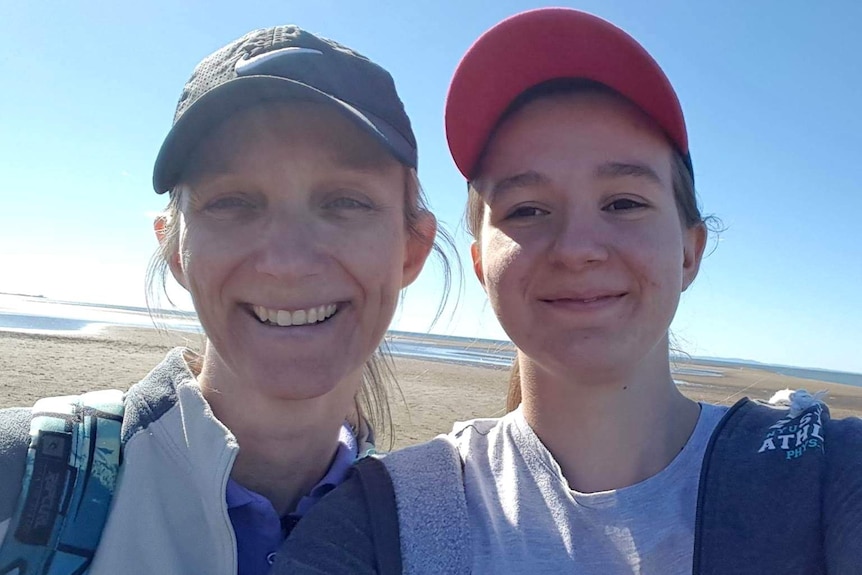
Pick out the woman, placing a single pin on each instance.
(295, 219)
(587, 231)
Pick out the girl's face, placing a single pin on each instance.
(294, 247)
(582, 251)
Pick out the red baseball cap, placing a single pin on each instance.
(548, 44)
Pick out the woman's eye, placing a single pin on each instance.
(229, 203)
(526, 212)
(624, 204)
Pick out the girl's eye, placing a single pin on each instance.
(349, 203)
(624, 204)
(526, 212)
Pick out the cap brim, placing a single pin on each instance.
(548, 44)
(220, 103)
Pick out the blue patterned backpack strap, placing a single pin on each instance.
(69, 480)
(364, 434)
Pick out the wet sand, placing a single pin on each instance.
(434, 394)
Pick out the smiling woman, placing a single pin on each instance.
(285, 226)
(294, 221)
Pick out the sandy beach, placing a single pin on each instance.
(434, 394)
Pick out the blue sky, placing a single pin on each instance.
(770, 90)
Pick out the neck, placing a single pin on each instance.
(286, 446)
(284, 466)
(611, 429)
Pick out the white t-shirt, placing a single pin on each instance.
(525, 519)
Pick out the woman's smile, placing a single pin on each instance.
(297, 317)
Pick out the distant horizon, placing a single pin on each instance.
(699, 359)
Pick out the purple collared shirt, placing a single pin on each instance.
(258, 527)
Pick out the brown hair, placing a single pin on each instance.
(682, 182)
(372, 403)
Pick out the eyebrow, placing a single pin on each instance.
(358, 155)
(350, 160)
(368, 163)
(625, 169)
(605, 171)
(522, 180)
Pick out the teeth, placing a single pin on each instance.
(286, 318)
(283, 318)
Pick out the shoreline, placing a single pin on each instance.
(432, 395)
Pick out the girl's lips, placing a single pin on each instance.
(582, 297)
(584, 303)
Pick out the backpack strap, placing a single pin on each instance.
(761, 488)
(383, 514)
(69, 480)
(432, 508)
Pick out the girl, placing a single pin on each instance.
(582, 205)
(295, 219)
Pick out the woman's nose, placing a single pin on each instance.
(289, 247)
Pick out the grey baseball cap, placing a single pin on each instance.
(283, 63)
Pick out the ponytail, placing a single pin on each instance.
(513, 396)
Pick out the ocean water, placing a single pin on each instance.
(41, 315)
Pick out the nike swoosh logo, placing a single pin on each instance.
(246, 66)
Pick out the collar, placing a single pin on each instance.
(345, 455)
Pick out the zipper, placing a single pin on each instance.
(232, 558)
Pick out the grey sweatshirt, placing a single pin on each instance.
(776, 495)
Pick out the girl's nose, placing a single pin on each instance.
(579, 241)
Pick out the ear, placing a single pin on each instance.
(419, 244)
(694, 245)
(160, 226)
(476, 254)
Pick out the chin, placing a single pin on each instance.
(307, 391)
(580, 361)
(290, 383)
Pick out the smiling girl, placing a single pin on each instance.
(295, 219)
(587, 231)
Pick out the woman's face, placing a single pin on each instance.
(582, 251)
(294, 247)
